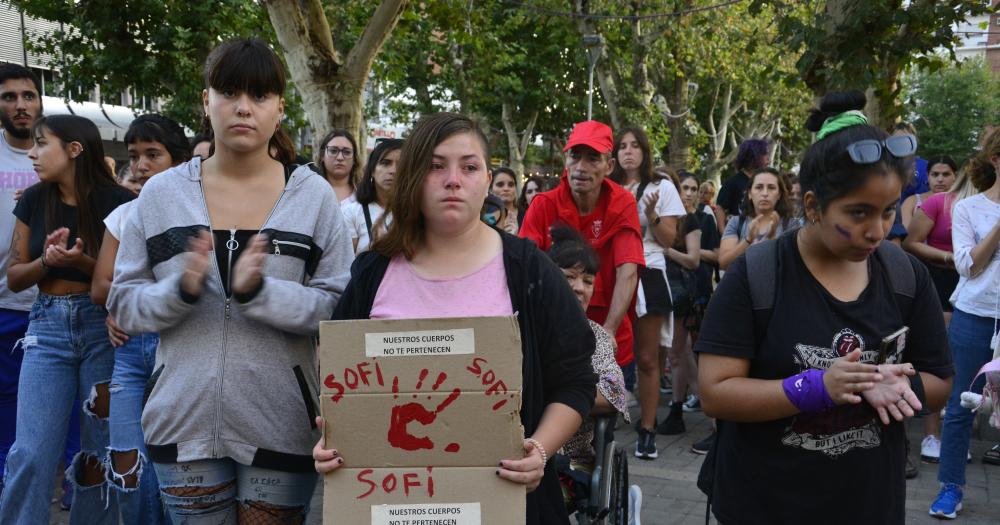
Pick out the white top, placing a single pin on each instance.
(971, 219)
(16, 173)
(115, 220)
(669, 204)
(354, 216)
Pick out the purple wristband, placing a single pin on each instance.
(807, 392)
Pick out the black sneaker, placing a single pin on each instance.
(702, 447)
(674, 423)
(645, 447)
(911, 469)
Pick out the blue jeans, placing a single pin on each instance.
(13, 325)
(969, 336)
(66, 354)
(134, 362)
(283, 497)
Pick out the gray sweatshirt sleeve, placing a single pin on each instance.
(139, 302)
(298, 308)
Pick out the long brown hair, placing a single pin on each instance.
(781, 207)
(406, 233)
(980, 169)
(645, 167)
(90, 174)
(352, 177)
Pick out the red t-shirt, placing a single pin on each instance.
(613, 231)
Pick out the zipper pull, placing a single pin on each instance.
(232, 244)
(277, 249)
(228, 301)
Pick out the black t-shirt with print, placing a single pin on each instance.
(835, 467)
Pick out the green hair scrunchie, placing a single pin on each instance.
(841, 121)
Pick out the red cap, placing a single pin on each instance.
(591, 133)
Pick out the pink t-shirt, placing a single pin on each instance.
(405, 295)
(938, 208)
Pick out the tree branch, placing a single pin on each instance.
(380, 25)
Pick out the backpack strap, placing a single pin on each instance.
(898, 267)
(368, 221)
(762, 273)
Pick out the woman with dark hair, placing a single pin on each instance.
(438, 259)
(67, 353)
(975, 235)
(504, 185)
(792, 360)
(155, 144)
(683, 260)
(366, 216)
(233, 260)
(579, 263)
(337, 160)
(201, 145)
(941, 174)
(766, 215)
(533, 186)
(659, 208)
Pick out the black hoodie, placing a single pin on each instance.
(557, 344)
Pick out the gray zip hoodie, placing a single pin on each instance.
(232, 379)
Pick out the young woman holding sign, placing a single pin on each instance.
(439, 260)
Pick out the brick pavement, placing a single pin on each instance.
(671, 498)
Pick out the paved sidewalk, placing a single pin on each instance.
(671, 498)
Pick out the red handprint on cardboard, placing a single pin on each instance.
(405, 414)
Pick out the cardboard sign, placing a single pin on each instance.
(422, 410)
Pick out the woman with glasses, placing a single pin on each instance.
(809, 400)
(337, 162)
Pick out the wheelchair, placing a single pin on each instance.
(603, 498)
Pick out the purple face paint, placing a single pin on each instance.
(842, 231)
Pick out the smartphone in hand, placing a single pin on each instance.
(892, 343)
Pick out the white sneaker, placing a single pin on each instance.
(634, 505)
(930, 449)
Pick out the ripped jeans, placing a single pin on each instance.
(134, 480)
(66, 354)
(222, 491)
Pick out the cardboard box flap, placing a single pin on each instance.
(420, 355)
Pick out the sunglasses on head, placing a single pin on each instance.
(870, 151)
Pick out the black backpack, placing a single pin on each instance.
(762, 263)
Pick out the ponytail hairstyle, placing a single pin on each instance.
(645, 167)
(91, 174)
(827, 168)
(570, 250)
(251, 66)
(680, 243)
(367, 192)
(980, 168)
(153, 127)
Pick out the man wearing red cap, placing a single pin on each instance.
(606, 215)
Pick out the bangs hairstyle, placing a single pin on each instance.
(569, 250)
(367, 191)
(645, 167)
(406, 233)
(91, 173)
(252, 67)
(153, 127)
(827, 169)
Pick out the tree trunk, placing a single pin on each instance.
(679, 145)
(332, 87)
(517, 148)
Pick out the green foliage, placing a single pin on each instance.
(152, 48)
(951, 106)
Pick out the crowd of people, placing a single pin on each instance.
(140, 313)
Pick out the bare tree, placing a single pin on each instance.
(517, 147)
